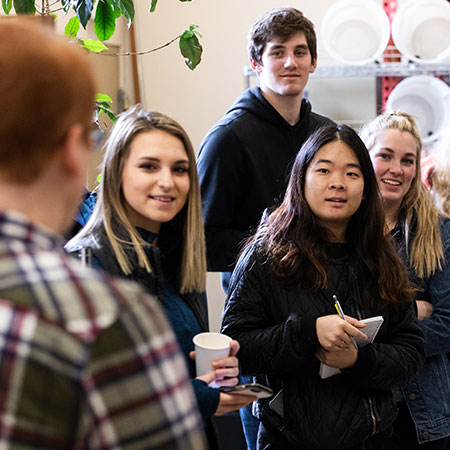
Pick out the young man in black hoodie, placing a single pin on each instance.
(245, 159)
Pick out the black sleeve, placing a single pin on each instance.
(266, 348)
(394, 361)
(221, 169)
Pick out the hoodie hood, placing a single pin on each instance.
(253, 101)
(243, 164)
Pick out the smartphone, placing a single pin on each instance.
(277, 404)
(255, 389)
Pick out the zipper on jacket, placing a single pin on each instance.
(372, 415)
(371, 409)
(86, 256)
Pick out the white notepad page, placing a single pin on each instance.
(373, 324)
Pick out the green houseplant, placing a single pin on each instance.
(104, 14)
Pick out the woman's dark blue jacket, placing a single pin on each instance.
(428, 394)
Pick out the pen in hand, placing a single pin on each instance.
(340, 312)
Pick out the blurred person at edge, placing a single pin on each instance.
(422, 236)
(86, 361)
(147, 226)
(435, 172)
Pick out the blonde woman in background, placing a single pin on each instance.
(422, 236)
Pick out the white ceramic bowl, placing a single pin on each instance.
(355, 31)
(427, 98)
(421, 30)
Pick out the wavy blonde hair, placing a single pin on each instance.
(426, 254)
(110, 210)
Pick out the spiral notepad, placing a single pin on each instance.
(373, 324)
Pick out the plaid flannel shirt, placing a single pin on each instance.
(86, 361)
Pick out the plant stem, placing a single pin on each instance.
(143, 52)
(45, 9)
(55, 10)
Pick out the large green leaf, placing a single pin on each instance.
(153, 6)
(116, 9)
(127, 8)
(24, 6)
(104, 21)
(185, 0)
(94, 46)
(72, 27)
(190, 48)
(83, 9)
(6, 4)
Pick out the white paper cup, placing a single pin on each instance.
(208, 347)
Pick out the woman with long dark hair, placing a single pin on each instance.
(326, 241)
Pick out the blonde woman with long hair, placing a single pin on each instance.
(147, 226)
(422, 236)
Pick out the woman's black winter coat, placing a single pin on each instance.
(275, 326)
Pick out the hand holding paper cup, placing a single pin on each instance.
(209, 347)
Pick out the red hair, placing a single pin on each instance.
(46, 86)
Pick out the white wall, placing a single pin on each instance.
(199, 98)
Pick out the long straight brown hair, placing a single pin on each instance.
(110, 211)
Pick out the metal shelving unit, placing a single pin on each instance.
(383, 69)
(387, 75)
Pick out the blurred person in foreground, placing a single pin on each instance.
(87, 361)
